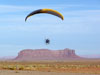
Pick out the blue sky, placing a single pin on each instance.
(80, 29)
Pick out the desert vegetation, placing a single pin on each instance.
(70, 67)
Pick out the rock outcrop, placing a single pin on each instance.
(45, 54)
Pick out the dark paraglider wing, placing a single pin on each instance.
(49, 11)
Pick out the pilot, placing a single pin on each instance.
(47, 41)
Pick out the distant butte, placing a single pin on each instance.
(46, 54)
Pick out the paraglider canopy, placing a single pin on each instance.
(49, 11)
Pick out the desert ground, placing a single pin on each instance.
(79, 67)
(9, 72)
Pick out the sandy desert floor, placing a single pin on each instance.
(9, 72)
(83, 67)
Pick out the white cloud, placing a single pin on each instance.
(15, 8)
(11, 8)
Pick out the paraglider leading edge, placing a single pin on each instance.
(48, 11)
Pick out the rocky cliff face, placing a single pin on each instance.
(45, 54)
